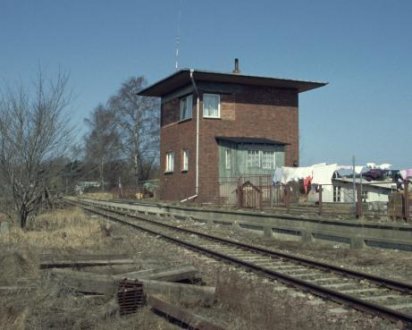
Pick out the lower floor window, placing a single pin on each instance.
(336, 194)
(228, 159)
(261, 159)
(268, 160)
(253, 159)
(185, 160)
(170, 162)
(364, 196)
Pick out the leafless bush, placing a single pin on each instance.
(33, 134)
(106, 229)
(51, 304)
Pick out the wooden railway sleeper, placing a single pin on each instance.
(326, 289)
(386, 297)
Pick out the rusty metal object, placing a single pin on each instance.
(130, 296)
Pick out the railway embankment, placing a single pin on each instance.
(356, 233)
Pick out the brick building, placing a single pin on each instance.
(217, 125)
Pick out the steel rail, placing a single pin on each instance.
(324, 292)
(396, 285)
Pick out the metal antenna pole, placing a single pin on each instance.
(178, 34)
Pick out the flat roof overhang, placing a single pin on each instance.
(249, 140)
(182, 78)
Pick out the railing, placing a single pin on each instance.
(259, 192)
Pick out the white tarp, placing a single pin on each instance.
(407, 173)
(321, 173)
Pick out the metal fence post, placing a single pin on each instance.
(239, 194)
(261, 192)
(358, 202)
(406, 200)
(287, 197)
(271, 193)
(320, 200)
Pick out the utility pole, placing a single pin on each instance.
(354, 182)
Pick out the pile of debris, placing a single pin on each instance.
(170, 291)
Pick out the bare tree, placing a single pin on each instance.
(138, 120)
(102, 144)
(33, 133)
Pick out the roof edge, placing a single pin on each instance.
(251, 140)
(179, 78)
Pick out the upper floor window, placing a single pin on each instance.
(186, 104)
(185, 161)
(211, 105)
(170, 162)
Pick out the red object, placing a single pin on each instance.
(306, 183)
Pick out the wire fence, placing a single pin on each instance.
(259, 192)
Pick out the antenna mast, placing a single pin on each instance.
(178, 34)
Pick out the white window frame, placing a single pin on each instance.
(228, 159)
(257, 158)
(186, 107)
(253, 158)
(185, 160)
(365, 196)
(337, 194)
(206, 112)
(170, 162)
(268, 160)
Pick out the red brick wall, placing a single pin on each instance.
(246, 111)
(176, 136)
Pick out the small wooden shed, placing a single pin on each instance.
(250, 196)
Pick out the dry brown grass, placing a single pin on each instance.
(256, 305)
(12, 317)
(62, 232)
(57, 230)
(244, 303)
(16, 264)
(50, 308)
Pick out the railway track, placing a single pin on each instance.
(365, 292)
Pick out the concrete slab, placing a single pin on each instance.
(337, 285)
(316, 302)
(400, 306)
(383, 297)
(326, 279)
(338, 310)
(350, 291)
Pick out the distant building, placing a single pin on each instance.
(375, 191)
(216, 125)
(82, 186)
